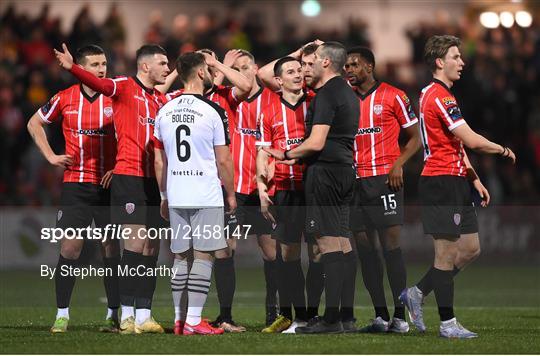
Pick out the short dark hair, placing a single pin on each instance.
(437, 47)
(247, 54)
(336, 53)
(210, 52)
(278, 67)
(90, 50)
(149, 50)
(187, 63)
(310, 48)
(363, 52)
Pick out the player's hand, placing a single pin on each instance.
(484, 194)
(288, 162)
(209, 59)
(164, 209)
(65, 59)
(395, 178)
(106, 180)
(63, 161)
(277, 154)
(231, 56)
(510, 155)
(231, 204)
(265, 206)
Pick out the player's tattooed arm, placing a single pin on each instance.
(395, 175)
(242, 86)
(36, 128)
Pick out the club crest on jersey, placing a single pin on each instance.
(457, 218)
(59, 215)
(108, 111)
(146, 120)
(130, 208)
(377, 109)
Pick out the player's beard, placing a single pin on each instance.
(208, 83)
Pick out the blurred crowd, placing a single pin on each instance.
(499, 92)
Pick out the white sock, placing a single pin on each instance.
(178, 287)
(112, 313)
(142, 315)
(127, 311)
(62, 313)
(198, 287)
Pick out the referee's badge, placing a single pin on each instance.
(130, 208)
(457, 218)
(59, 215)
(377, 109)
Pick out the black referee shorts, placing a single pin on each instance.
(80, 203)
(447, 206)
(329, 189)
(375, 205)
(135, 201)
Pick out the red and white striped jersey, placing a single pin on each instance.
(87, 125)
(244, 128)
(383, 110)
(283, 127)
(135, 109)
(439, 115)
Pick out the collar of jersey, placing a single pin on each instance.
(440, 82)
(88, 97)
(254, 96)
(369, 92)
(146, 89)
(291, 106)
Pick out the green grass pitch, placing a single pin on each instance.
(502, 304)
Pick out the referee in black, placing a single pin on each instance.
(331, 124)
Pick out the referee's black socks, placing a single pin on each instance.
(225, 276)
(334, 268)
(314, 288)
(349, 285)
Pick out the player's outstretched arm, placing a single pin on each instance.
(481, 144)
(36, 128)
(226, 173)
(160, 167)
(242, 86)
(164, 88)
(395, 176)
(105, 86)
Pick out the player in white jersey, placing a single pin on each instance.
(192, 155)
